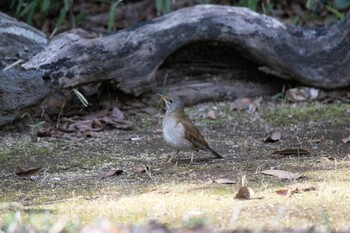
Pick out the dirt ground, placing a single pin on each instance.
(70, 185)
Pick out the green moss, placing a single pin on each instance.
(332, 114)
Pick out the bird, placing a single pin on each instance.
(179, 132)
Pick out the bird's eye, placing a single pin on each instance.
(170, 101)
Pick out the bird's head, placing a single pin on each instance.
(171, 104)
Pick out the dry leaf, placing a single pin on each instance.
(274, 137)
(135, 138)
(346, 140)
(241, 104)
(96, 123)
(283, 175)
(224, 181)
(88, 134)
(245, 104)
(299, 188)
(245, 193)
(111, 172)
(300, 94)
(291, 152)
(27, 174)
(140, 169)
(283, 192)
(329, 158)
(83, 125)
(211, 115)
(117, 115)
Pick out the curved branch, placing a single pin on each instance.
(317, 57)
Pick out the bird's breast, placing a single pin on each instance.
(174, 134)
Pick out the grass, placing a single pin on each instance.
(214, 205)
(183, 195)
(333, 114)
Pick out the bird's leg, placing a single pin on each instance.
(192, 156)
(173, 156)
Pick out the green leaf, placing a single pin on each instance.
(111, 15)
(27, 8)
(163, 6)
(19, 6)
(45, 6)
(81, 97)
(295, 20)
(336, 12)
(31, 12)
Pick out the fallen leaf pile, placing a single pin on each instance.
(87, 123)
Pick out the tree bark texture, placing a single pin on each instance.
(130, 58)
(18, 41)
(241, 51)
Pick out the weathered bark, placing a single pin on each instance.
(20, 92)
(18, 41)
(146, 57)
(207, 71)
(131, 57)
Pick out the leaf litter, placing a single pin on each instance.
(86, 123)
(29, 174)
(282, 175)
(346, 140)
(291, 152)
(223, 181)
(247, 104)
(274, 137)
(110, 172)
(298, 188)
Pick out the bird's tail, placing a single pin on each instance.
(215, 153)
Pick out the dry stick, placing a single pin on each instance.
(148, 171)
(60, 114)
(13, 64)
(53, 33)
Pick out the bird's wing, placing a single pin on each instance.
(193, 135)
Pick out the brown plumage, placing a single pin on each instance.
(179, 132)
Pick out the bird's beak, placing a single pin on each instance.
(164, 98)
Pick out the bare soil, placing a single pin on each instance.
(182, 194)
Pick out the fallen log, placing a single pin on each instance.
(18, 41)
(130, 58)
(205, 52)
